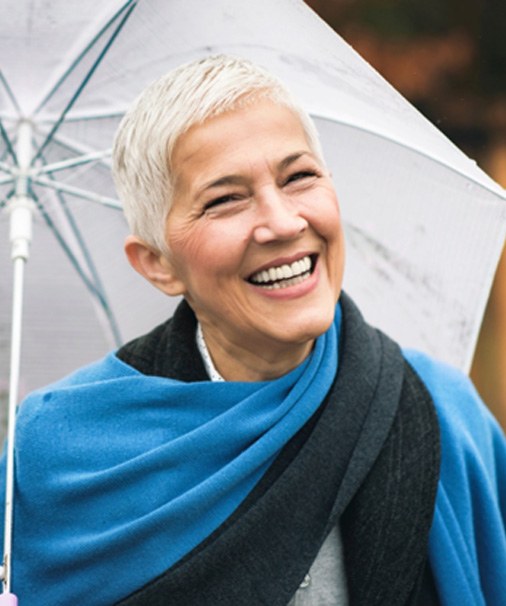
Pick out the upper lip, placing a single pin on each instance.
(283, 261)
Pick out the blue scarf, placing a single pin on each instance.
(129, 473)
(467, 544)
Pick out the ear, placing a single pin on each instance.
(154, 266)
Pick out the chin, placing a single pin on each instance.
(309, 329)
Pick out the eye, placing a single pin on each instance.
(219, 201)
(301, 175)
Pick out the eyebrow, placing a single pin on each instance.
(239, 179)
(285, 163)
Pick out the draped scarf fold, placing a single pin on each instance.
(368, 457)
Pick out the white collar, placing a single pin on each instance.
(214, 375)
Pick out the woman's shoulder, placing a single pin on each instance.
(470, 435)
(439, 376)
(74, 389)
(455, 397)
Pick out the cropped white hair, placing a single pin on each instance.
(165, 110)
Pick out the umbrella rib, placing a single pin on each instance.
(5, 137)
(9, 92)
(98, 115)
(71, 163)
(6, 168)
(91, 267)
(78, 148)
(78, 192)
(85, 81)
(6, 198)
(82, 54)
(95, 289)
(93, 270)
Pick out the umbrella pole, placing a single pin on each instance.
(21, 209)
(17, 305)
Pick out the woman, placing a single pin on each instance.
(265, 445)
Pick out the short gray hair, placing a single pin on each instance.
(165, 110)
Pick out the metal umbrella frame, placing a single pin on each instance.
(21, 208)
(424, 225)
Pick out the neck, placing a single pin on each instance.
(236, 363)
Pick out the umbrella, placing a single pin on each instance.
(424, 225)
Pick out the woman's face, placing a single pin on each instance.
(255, 239)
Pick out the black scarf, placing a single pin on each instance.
(368, 458)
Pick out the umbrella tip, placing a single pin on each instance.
(8, 599)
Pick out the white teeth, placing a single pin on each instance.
(289, 282)
(289, 274)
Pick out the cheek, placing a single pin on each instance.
(332, 216)
(206, 250)
(325, 217)
(186, 249)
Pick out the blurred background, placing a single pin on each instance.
(448, 58)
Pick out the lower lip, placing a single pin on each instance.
(291, 292)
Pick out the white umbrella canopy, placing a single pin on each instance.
(424, 225)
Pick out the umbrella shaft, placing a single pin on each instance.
(21, 207)
(17, 312)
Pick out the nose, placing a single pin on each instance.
(279, 218)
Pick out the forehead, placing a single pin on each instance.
(258, 131)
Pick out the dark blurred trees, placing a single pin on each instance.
(448, 57)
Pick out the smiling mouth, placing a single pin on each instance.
(283, 276)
